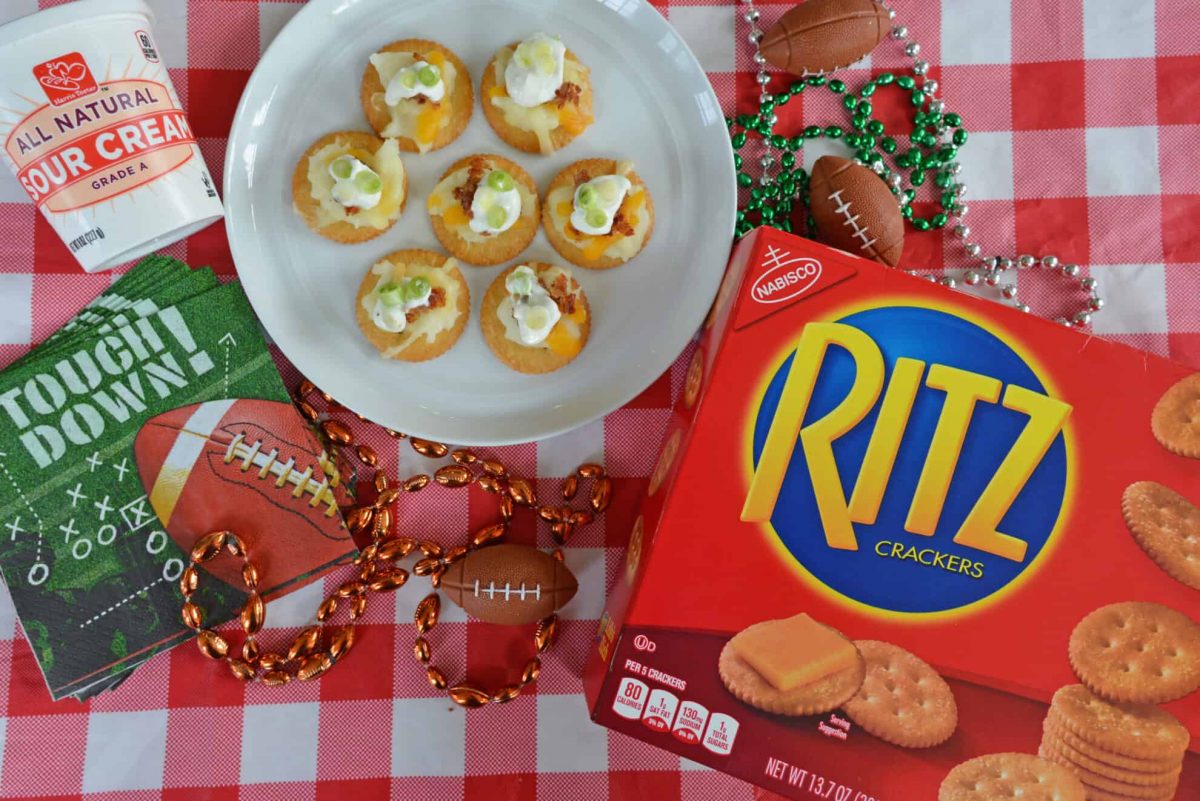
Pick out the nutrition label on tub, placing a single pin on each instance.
(662, 710)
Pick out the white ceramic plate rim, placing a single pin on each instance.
(246, 241)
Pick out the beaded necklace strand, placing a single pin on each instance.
(930, 155)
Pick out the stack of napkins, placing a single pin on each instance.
(92, 572)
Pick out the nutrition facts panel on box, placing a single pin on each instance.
(661, 710)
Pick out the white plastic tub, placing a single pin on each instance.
(94, 131)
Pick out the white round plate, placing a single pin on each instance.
(653, 104)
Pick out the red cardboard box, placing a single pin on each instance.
(902, 463)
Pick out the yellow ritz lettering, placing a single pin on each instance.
(963, 391)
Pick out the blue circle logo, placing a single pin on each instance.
(919, 557)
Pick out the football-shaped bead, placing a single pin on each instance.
(820, 36)
(252, 467)
(855, 211)
(509, 584)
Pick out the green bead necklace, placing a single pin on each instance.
(928, 153)
(772, 203)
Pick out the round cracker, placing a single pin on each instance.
(1083, 765)
(1055, 732)
(558, 238)
(665, 459)
(1175, 420)
(1023, 776)
(499, 247)
(519, 357)
(1096, 794)
(420, 350)
(694, 379)
(1126, 792)
(903, 700)
(1167, 527)
(520, 138)
(462, 98)
(1137, 652)
(633, 552)
(306, 205)
(815, 698)
(1136, 730)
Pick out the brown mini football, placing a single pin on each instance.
(820, 36)
(855, 211)
(509, 584)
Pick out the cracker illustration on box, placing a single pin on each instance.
(666, 460)
(1167, 527)
(796, 666)
(1117, 750)
(902, 700)
(1175, 420)
(1140, 652)
(997, 776)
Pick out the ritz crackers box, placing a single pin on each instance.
(987, 523)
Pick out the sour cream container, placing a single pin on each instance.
(95, 133)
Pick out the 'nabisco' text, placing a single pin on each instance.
(786, 279)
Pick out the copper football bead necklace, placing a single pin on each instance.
(310, 654)
(934, 146)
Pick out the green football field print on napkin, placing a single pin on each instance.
(92, 569)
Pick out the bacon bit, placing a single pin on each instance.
(465, 194)
(352, 209)
(620, 225)
(437, 299)
(562, 293)
(582, 177)
(476, 168)
(567, 93)
(421, 99)
(418, 57)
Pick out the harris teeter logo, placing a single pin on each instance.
(909, 459)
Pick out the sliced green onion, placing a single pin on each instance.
(500, 180)
(408, 79)
(587, 196)
(546, 64)
(428, 75)
(416, 288)
(596, 218)
(392, 294)
(342, 167)
(520, 281)
(496, 217)
(368, 182)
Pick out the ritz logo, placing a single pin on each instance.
(65, 78)
(909, 459)
(786, 276)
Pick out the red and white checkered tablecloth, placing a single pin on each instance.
(1084, 119)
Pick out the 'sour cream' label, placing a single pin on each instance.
(124, 135)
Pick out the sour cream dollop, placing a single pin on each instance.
(395, 299)
(534, 310)
(496, 204)
(420, 78)
(535, 70)
(355, 185)
(596, 203)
